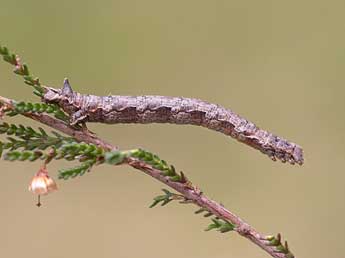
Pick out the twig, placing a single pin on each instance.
(272, 245)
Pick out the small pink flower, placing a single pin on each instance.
(42, 183)
(3, 109)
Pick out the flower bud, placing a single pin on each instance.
(42, 183)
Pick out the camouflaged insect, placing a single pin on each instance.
(174, 110)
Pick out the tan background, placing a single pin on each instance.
(278, 63)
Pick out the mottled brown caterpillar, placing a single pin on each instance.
(175, 110)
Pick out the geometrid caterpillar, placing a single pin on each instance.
(174, 110)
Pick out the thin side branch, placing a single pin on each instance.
(190, 193)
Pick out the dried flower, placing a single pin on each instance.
(42, 183)
(3, 109)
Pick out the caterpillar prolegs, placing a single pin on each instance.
(174, 110)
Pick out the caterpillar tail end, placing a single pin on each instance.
(292, 156)
(298, 155)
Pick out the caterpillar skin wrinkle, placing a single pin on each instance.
(174, 110)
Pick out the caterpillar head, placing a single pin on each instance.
(62, 97)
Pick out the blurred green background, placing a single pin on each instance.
(280, 64)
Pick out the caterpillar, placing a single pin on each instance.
(174, 110)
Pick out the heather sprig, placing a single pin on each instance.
(22, 70)
(29, 139)
(221, 225)
(160, 164)
(28, 144)
(77, 170)
(166, 198)
(275, 241)
(28, 107)
(25, 155)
